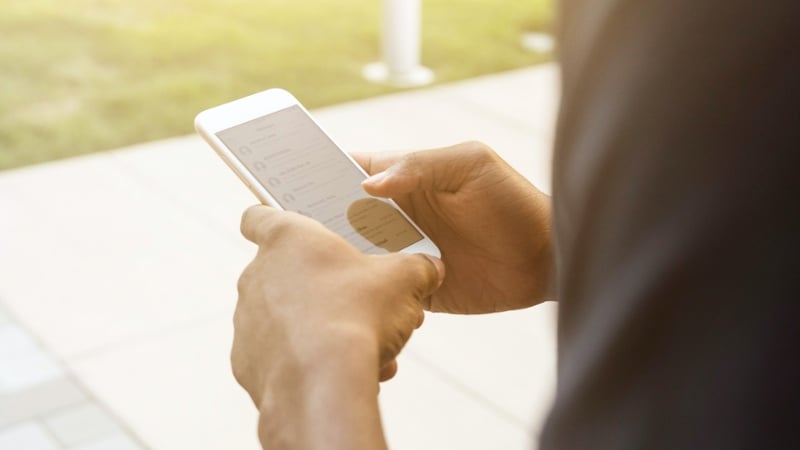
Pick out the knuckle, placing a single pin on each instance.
(414, 315)
(262, 228)
(410, 158)
(412, 162)
(236, 366)
(416, 272)
(395, 344)
(248, 220)
(479, 150)
(245, 279)
(412, 318)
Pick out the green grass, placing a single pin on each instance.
(79, 76)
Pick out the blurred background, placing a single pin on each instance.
(119, 240)
(80, 76)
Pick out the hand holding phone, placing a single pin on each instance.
(279, 151)
(490, 222)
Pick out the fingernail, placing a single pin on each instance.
(377, 178)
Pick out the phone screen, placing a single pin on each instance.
(301, 167)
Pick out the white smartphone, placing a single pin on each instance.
(280, 152)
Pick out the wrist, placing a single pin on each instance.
(331, 347)
(311, 394)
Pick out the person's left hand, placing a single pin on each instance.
(311, 302)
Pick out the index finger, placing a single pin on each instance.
(255, 221)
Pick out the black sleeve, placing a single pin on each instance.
(677, 222)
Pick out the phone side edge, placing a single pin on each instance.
(233, 163)
(425, 245)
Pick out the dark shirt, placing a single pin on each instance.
(677, 219)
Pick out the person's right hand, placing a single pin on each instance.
(491, 225)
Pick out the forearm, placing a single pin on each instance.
(330, 403)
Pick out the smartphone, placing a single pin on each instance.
(282, 154)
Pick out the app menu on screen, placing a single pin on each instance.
(305, 172)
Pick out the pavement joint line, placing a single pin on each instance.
(68, 373)
(147, 183)
(454, 382)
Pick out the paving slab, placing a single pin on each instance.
(505, 360)
(176, 390)
(28, 436)
(422, 410)
(92, 258)
(39, 400)
(81, 424)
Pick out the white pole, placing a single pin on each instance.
(401, 46)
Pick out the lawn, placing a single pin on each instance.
(81, 76)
